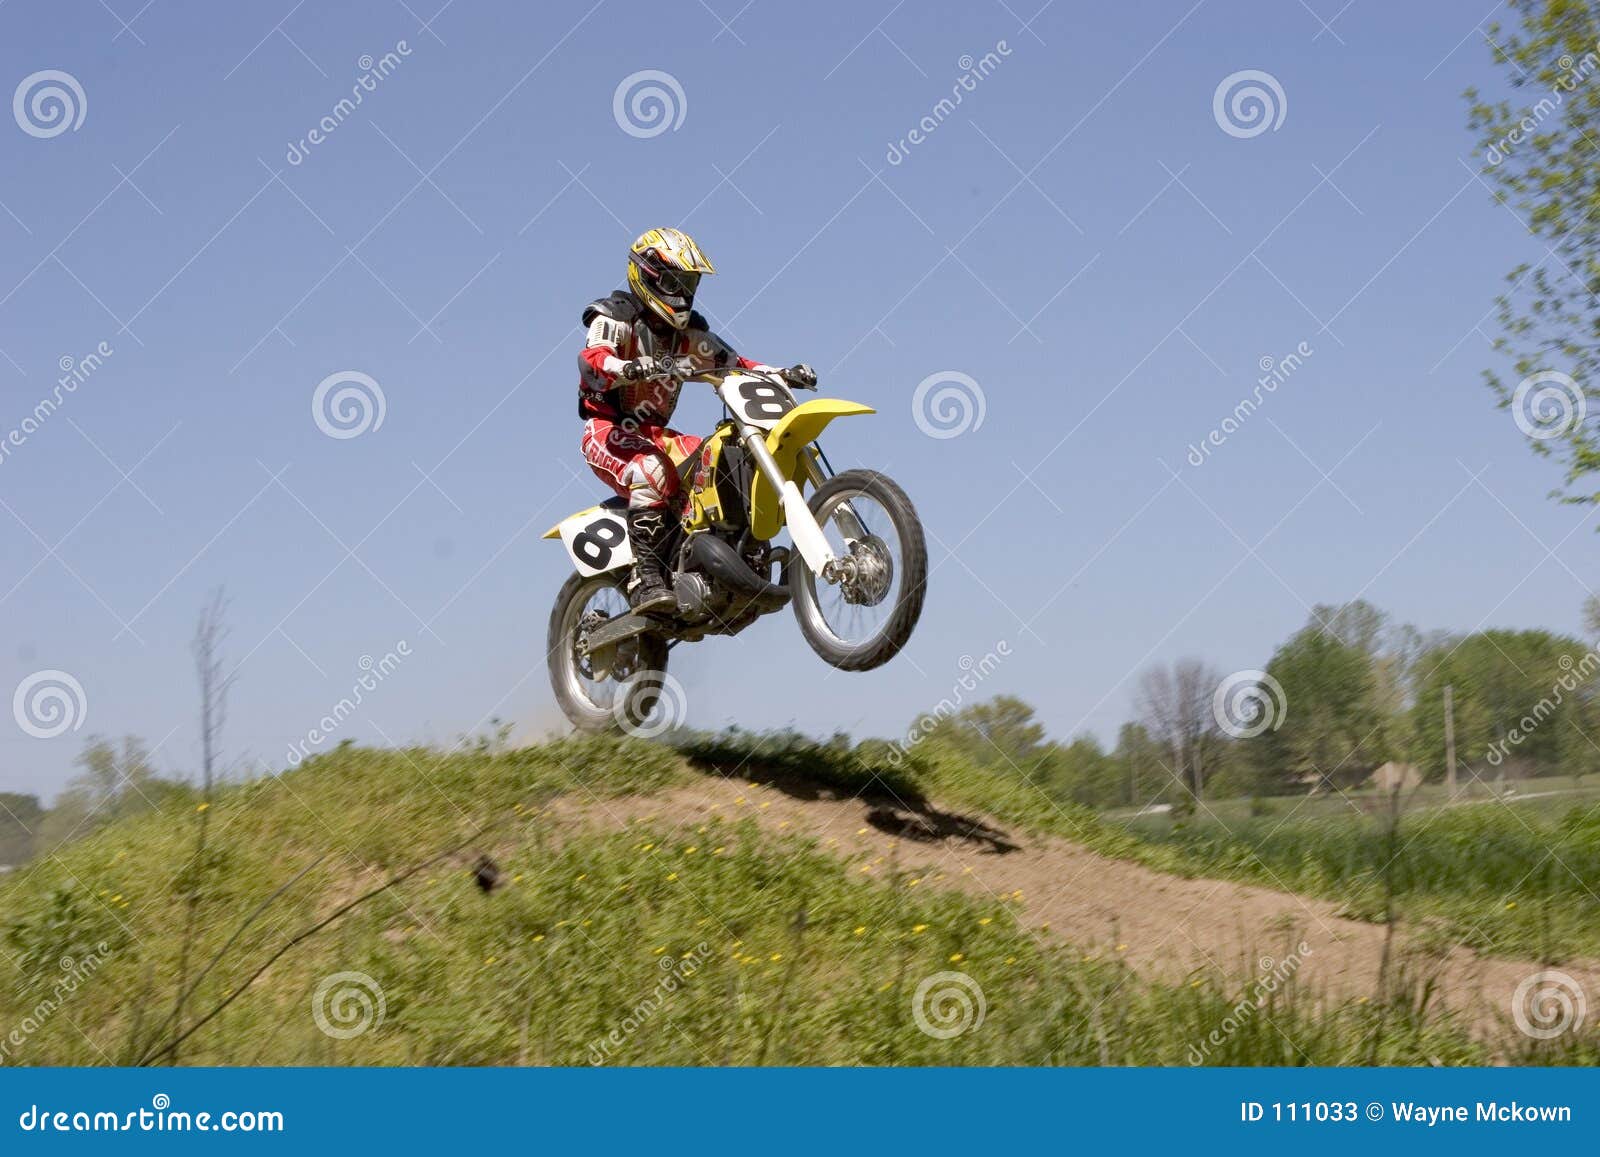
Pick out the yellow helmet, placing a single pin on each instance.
(664, 269)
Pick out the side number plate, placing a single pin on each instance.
(597, 541)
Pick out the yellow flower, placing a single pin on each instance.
(117, 897)
(775, 957)
(986, 920)
(488, 959)
(659, 951)
(1011, 959)
(1194, 984)
(956, 958)
(914, 883)
(671, 876)
(202, 807)
(919, 928)
(1511, 904)
(1122, 947)
(861, 831)
(582, 876)
(538, 938)
(690, 850)
(718, 851)
(517, 879)
(647, 847)
(860, 929)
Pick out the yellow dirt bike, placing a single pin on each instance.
(856, 572)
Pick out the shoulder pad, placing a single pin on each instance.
(620, 306)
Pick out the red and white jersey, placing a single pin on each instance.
(617, 334)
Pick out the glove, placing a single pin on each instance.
(638, 369)
(801, 376)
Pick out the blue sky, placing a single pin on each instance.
(1080, 237)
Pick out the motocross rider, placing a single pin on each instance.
(625, 410)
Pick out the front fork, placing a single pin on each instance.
(808, 537)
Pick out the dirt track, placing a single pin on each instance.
(1166, 927)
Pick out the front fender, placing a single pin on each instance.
(787, 440)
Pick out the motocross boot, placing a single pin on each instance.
(648, 592)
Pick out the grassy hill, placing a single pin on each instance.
(337, 914)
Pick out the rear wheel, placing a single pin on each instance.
(863, 620)
(617, 687)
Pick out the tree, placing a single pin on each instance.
(113, 782)
(19, 820)
(1330, 727)
(1540, 156)
(1522, 701)
(1175, 706)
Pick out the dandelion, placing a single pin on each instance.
(718, 851)
(202, 807)
(918, 928)
(914, 883)
(1511, 904)
(487, 960)
(1194, 984)
(582, 876)
(775, 957)
(517, 879)
(690, 850)
(671, 876)
(860, 930)
(1011, 959)
(861, 831)
(987, 920)
(659, 951)
(538, 938)
(956, 958)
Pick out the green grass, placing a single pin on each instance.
(785, 955)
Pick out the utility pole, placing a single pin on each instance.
(1450, 737)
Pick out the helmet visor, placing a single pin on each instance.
(677, 283)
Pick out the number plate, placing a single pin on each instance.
(597, 540)
(760, 402)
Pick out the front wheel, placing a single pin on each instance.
(615, 688)
(864, 619)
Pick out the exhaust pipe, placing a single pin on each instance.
(719, 560)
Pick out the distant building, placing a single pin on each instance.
(1392, 776)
